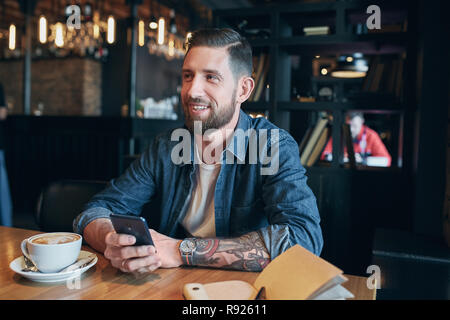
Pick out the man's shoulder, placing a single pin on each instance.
(371, 133)
(262, 123)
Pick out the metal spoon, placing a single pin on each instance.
(80, 264)
(29, 265)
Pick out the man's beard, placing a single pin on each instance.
(218, 117)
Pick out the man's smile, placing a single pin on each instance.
(196, 108)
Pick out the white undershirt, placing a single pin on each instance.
(200, 220)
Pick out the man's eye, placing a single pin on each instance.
(212, 77)
(187, 76)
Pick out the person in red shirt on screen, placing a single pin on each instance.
(366, 142)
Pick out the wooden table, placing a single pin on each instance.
(105, 282)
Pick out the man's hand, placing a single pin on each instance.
(128, 258)
(119, 249)
(168, 250)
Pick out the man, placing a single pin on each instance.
(5, 197)
(211, 212)
(366, 142)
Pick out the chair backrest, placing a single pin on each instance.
(62, 201)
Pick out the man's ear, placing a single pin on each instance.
(246, 86)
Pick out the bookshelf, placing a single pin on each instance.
(348, 222)
(282, 38)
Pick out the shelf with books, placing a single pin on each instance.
(326, 138)
(300, 32)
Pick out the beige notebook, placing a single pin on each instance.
(297, 274)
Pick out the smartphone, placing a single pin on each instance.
(133, 225)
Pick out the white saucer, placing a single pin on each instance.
(18, 264)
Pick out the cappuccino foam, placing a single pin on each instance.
(55, 239)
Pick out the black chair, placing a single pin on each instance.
(62, 201)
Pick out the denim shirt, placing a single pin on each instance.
(279, 205)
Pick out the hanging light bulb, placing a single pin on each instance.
(42, 29)
(153, 23)
(110, 37)
(96, 27)
(171, 50)
(59, 35)
(96, 30)
(161, 31)
(12, 37)
(141, 33)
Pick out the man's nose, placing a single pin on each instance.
(196, 88)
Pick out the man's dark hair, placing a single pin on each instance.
(239, 50)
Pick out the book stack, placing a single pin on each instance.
(314, 31)
(260, 75)
(385, 76)
(313, 142)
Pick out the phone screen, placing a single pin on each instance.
(132, 225)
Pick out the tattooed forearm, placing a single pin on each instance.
(246, 252)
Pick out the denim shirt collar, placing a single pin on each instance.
(244, 125)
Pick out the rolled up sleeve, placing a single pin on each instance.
(290, 205)
(87, 216)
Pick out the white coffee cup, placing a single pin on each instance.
(52, 252)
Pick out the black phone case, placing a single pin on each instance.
(133, 225)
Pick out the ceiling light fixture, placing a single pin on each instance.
(355, 67)
(42, 29)
(12, 37)
(111, 33)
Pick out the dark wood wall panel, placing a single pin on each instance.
(40, 150)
